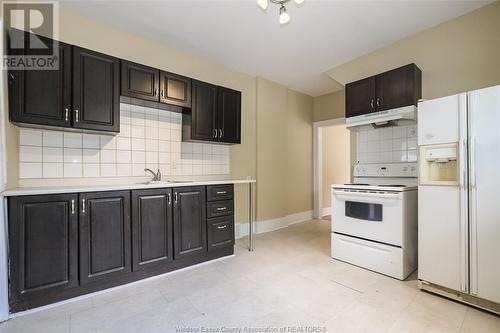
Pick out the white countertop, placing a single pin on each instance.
(117, 187)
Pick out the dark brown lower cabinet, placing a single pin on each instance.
(65, 245)
(190, 224)
(43, 243)
(220, 232)
(152, 233)
(104, 235)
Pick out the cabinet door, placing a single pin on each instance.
(139, 81)
(43, 236)
(229, 115)
(96, 91)
(190, 225)
(175, 89)
(41, 97)
(398, 87)
(204, 111)
(104, 235)
(220, 232)
(360, 97)
(152, 237)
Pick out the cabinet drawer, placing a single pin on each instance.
(220, 232)
(219, 192)
(220, 208)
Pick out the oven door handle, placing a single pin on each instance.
(366, 194)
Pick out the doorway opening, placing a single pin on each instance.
(334, 155)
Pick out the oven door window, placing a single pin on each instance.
(363, 211)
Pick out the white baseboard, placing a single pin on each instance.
(241, 229)
(326, 211)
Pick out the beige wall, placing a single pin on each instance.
(456, 56)
(336, 159)
(284, 151)
(329, 106)
(299, 152)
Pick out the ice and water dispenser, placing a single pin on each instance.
(439, 164)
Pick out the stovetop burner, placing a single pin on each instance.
(358, 184)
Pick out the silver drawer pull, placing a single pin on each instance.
(221, 192)
(222, 227)
(221, 208)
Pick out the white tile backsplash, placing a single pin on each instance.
(148, 138)
(387, 145)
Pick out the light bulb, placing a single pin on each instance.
(263, 4)
(299, 2)
(284, 17)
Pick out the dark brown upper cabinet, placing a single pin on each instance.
(104, 235)
(96, 91)
(175, 89)
(389, 90)
(229, 115)
(190, 223)
(215, 114)
(41, 97)
(399, 87)
(360, 97)
(43, 244)
(200, 123)
(139, 81)
(152, 236)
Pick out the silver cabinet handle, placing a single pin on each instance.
(371, 103)
(220, 133)
(83, 205)
(215, 133)
(66, 114)
(77, 117)
(169, 199)
(175, 197)
(162, 93)
(156, 92)
(221, 208)
(72, 206)
(222, 226)
(378, 101)
(221, 192)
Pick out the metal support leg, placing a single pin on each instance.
(250, 218)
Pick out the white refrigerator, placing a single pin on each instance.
(459, 197)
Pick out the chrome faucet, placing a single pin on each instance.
(156, 176)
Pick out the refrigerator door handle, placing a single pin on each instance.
(464, 241)
(473, 218)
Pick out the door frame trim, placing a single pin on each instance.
(318, 162)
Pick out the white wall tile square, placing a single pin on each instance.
(30, 137)
(385, 145)
(72, 140)
(30, 154)
(91, 156)
(73, 170)
(52, 154)
(53, 170)
(52, 139)
(91, 141)
(148, 137)
(30, 170)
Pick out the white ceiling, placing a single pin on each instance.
(320, 35)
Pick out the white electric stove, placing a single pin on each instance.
(374, 220)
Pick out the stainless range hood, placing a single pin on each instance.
(400, 116)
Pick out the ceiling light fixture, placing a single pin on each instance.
(284, 17)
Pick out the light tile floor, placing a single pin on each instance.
(289, 280)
